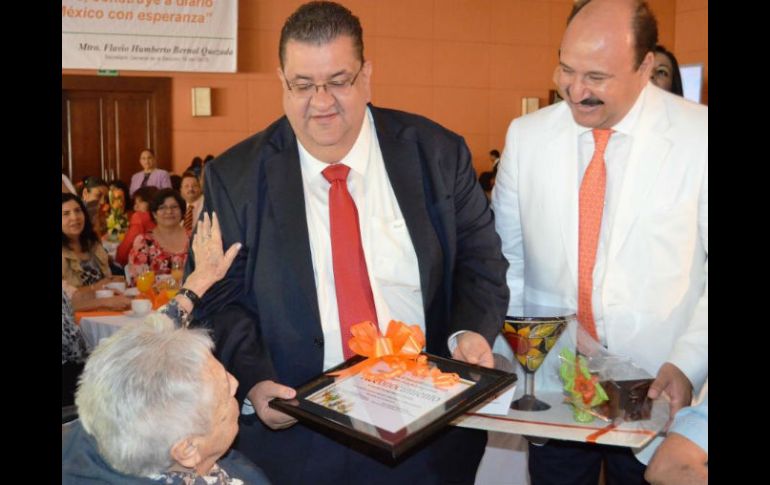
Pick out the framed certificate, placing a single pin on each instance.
(389, 417)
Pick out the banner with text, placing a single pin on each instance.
(150, 35)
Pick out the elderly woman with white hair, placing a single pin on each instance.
(155, 405)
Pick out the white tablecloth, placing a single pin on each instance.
(96, 328)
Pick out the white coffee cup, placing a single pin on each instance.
(118, 286)
(104, 293)
(141, 306)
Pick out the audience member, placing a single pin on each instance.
(165, 247)
(193, 195)
(139, 223)
(95, 190)
(150, 174)
(83, 259)
(666, 74)
(155, 406)
(487, 179)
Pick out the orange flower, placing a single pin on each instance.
(586, 387)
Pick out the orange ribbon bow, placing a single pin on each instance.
(400, 348)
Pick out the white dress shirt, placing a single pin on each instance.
(391, 260)
(615, 158)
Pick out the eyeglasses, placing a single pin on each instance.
(168, 208)
(335, 87)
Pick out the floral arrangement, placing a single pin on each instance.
(583, 389)
(117, 221)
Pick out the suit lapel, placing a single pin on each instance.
(406, 176)
(566, 164)
(287, 201)
(649, 148)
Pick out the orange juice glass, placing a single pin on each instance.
(145, 281)
(177, 274)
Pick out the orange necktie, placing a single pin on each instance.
(591, 207)
(188, 218)
(355, 301)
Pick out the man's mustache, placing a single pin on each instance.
(591, 102)
(586, 102)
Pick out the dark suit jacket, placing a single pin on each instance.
(265, 312)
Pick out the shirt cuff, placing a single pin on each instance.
(452, 341)
(692, 423)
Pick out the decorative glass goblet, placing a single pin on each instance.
(532, 332)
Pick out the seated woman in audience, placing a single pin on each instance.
(165, 247)
(139, 222)
(170, 414)
(84, 262)
(149, 175)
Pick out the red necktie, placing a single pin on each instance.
(591, 207)
(355, 302)
(188, 218)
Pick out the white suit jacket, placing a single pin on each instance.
(655, 293)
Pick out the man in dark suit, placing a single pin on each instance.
(428, 251)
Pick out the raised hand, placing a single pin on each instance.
(211, 262)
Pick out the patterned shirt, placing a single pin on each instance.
(91, 271)
(73, 347)
(147, 251)
(215, 476)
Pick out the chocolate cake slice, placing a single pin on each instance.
(627, 399)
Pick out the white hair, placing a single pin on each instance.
(142, 390)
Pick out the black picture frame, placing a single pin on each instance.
(383, 444)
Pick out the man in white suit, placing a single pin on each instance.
(647, 291)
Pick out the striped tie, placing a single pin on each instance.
(188, 219)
